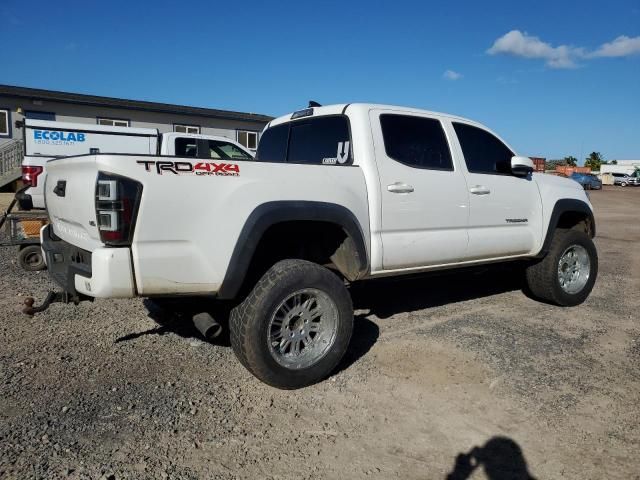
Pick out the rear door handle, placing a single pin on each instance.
(480, 190)
(399, 187)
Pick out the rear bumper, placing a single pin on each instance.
(103, 273)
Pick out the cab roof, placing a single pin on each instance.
(343, 108)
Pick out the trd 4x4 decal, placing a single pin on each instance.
(200, 168)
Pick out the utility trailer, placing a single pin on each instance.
(22, 228)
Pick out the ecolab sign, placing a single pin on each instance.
(54, 137)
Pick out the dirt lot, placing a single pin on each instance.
(438, 366)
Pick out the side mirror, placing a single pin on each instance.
(521, 166)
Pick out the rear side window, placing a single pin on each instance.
(322, 140)
(415, 141)
(273, 144)
(226, 151)
(186, 147)
(483, 152)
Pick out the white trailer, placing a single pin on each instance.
(627, 169)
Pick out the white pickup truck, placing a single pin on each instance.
(46, 139)
(336, 194)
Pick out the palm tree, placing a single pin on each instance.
(594, 160)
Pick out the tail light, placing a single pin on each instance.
(30, 175)
(117, 201)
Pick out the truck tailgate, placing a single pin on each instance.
(70, 200)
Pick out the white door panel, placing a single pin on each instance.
(504, 210)
(424, 211)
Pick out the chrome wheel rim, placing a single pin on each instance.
(302, 328)
(574, 268)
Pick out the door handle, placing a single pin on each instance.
(480, 190)
(60, 188)
(399, 187)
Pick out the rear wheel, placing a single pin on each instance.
(623, 184)
(295, 325)
(31, 259)
(566, 275)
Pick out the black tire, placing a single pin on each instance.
(543, 277)
(249, 324)
(31, 259)
(623, 184)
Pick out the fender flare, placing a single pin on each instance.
(272, 213)
(563, 206)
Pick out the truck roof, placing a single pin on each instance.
(340, 108)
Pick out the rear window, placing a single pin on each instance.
(323, 140)
(273, 144)
(317, 141)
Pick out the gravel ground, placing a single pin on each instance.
(438, 366)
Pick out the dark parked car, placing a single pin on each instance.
(623, 179)
(587, 180)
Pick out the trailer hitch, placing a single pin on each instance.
(52, 297)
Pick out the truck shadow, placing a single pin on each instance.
(174, 316)
(382, 298)
(387, 297)
(501, 458)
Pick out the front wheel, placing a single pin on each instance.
(295, 325)
(566, 275)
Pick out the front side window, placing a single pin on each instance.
(416, 141)
(483, 152)
(186, 147)
(219, 150)
(113, 122)
(273, 144)
(4, 123)
(248, 139)
(322, 140)
(186, 129)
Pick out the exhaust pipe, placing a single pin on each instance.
(207, 325)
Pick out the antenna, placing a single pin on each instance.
(313, 104)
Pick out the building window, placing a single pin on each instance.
(35, 115)
(5, 123)
(186, 129)
(248, 139)
(113, 122)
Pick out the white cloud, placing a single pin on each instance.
(521, 44)
(622, 46)
(451, 75)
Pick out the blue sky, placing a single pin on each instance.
(552, 78)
